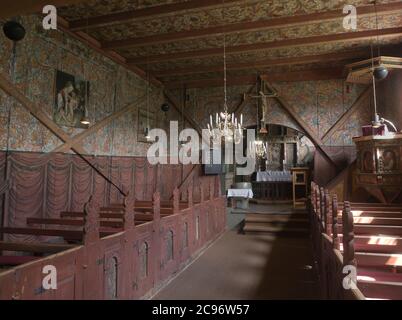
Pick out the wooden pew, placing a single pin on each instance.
(371, 220)
(37, 249)
(111, 220)
(377, 244)
(120, 209)
(164, 204)
(365, 229)
(16, 260)
(69, 235)
(373, 242)
(374, 204)
(369, 207)
(34, 247)
(374, 213)
(72, 222)
(376, 271)
(140, 217)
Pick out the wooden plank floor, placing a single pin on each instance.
(248, 266)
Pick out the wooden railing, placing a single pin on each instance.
(363, 237)
(330, 261)
(127, 260)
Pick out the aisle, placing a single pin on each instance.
(252, 266)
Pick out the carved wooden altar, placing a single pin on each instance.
(379, 166)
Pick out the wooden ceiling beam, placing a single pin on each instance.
(215, 82)
(170, 97)
(360, 102)
(319, 58)
(96, 46)
(322, 39)
(246, 26)
(76, 140)
(154, 12)
(306, 75)
(12, 8)
(318, 143)
(239, 108)
(37, 111)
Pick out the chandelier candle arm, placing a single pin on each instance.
(226, 125)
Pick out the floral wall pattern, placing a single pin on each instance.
(32, 65)
(33, 62)
(319, 104)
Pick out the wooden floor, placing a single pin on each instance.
(249, 266)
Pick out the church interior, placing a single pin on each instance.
(108, 109)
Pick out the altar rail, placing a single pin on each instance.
(365, 236)
(131, 262)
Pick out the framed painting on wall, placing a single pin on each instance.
(70, 103)
(146, 119)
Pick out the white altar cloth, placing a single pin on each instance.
(240, 193)
(274, 176)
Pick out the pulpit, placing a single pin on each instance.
(379, 169)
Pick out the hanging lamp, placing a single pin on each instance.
(226, 126)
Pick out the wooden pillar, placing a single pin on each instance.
(211, 189)
(156, 204)
(129, 215)
(317, 200)
(176, 200)
(219, 186)
(91, 221)
(202, 195)
(328, 213)
(93, 271)
(322, 204)
(348, 236)
(129, 258)
(312, 197)
(335, 238)
(190, 195)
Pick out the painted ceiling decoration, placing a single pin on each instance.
(179, 41)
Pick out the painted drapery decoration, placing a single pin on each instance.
(44, 185)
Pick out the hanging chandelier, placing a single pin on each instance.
(226, 125)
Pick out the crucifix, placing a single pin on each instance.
(264, 98)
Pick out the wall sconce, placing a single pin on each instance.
(85, 121)
(146, 134)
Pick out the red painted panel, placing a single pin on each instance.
(7, 285)
(65, 264)
(28, 281)
(90, 272)
(144, 282)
